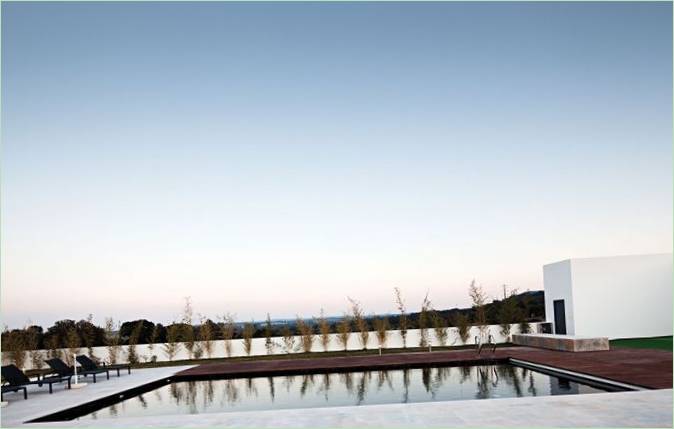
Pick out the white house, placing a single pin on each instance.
(615, 297)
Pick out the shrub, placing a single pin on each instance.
(32, 337)
(402, 322)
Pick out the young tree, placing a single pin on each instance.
(228, 329)
(188, 328)
(207, 333)
(306, 335)
(507, 313)
(154, 338)
(288, 339)
(479, 298)
(132, 356)
(172, 346)
(73, 342)
(33, 334)
(462, 326)
(89, 334)
(324, 329)
(248, 331)
(439, 327)
(423, 321)
(268, 343)
(15, 343)
(359, 320)
(344, 331)
(402, 323)
(112, 340)
(381, 326)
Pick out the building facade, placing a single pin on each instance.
(615, 297)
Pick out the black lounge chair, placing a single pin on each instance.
(8, 388)
(62, 369)
(90, 365)
(15, 378)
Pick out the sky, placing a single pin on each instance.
(280, 157)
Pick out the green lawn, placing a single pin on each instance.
(661, 343)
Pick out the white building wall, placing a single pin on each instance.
(557, 280)
(615, 297)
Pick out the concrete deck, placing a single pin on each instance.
(41, 403)
(625, 409)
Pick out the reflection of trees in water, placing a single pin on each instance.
(363, 385)
(272, 392)
(113, 409)
(441, 374)
(532, 386)
(325, 386)
(231, 392)
(512, 377)
(176, 392)
(426, 378)
(192, 396)
(465, 373)
(157, 393)
(209, 392)
(143, 402)
(384, 377)
(347, 380)
(251, 388)
(307, 380)
(406, 385)
(288, 381)
(483, 382)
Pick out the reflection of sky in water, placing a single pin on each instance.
(343, 389)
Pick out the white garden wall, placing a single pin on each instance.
(145, 352)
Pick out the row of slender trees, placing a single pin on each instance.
(73, 337)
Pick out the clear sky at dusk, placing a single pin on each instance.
(278, 157)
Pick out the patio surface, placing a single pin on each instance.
(646, 368)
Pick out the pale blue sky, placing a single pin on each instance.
(279, 157)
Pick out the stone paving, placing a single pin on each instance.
(626, 409)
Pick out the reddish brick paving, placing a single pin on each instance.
(647, 368)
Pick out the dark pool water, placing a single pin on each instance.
(343, 389)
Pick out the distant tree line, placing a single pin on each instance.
(83, 335)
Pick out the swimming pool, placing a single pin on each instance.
(342, 389)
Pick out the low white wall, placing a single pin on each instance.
(394, 340)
